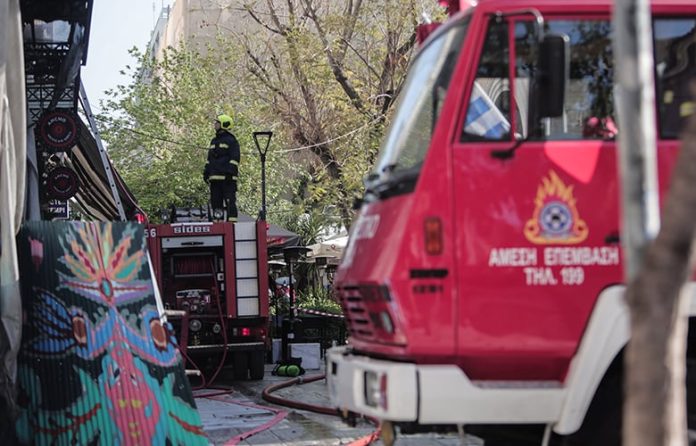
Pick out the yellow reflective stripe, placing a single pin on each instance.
(668, 98)
(216, 177)
(232, 219)
(686, 109)
(211, 147)
(224, 146)
(235, 162)
(234, 178)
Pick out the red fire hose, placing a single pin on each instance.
(266, 394)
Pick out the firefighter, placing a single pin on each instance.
(222, 169)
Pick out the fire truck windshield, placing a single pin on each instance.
(407, 140)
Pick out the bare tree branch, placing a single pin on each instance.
(362, 69)
(336, 68)
(277, 30)
(352, 12)
(347, 44)
(391, 61)
(291, 12)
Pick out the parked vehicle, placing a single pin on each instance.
(483, 280)
(213, 277)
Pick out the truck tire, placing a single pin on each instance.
(240, 366)
(257, 362)
(604, 417)
(691, 396)
(602, 424)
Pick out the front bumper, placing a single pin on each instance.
(345, 374)
(438, 394)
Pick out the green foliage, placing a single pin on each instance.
(159, 127)
(319, 299)
(333, 70)
(309, 226)
(322, 75)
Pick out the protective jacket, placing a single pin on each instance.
(223, 157)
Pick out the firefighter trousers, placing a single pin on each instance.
(224, 192)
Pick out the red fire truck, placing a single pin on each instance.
(213, 279)
(483, 281)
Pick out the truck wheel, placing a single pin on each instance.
(256, 365)
(602, 423)
(691, 395)
(240, 366)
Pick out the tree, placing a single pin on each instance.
(655, 398)
(332, 71)
(158, 128)
(654, 404)
(323, 76)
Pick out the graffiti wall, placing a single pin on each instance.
(97, 364)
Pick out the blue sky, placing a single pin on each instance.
(116, 27)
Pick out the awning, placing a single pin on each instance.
(277, 238)
(329, 248)
(94, 194)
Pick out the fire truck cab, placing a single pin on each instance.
(483, 281)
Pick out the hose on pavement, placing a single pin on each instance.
(267, 395)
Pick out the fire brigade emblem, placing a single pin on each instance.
(555, 219)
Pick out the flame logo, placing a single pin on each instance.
(555, 219)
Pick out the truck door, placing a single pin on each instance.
(536, 209)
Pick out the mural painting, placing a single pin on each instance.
(98, 365)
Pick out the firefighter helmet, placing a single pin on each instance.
(225, 121)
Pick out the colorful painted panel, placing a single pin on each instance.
(97, 365)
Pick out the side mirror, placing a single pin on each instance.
(547, 93)
(553, 66)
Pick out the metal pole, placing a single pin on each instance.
(635, 101)
(289, 318)
(263, 187)
(292, 294)
(262, 153)
(102, 153)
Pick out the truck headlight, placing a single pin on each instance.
(386, 321)
(376, 389)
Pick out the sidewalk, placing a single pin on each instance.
(244, 418)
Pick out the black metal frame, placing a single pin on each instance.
(43, 60)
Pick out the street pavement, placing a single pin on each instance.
(242, 417)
